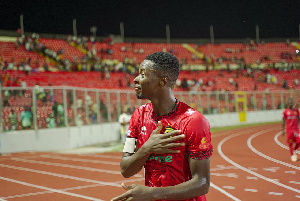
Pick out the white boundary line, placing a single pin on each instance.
(247, 170)
(231, 167)
(265, 156)
(50, 189)
(79, 160)
(46, 192)
(60, 175)
(280, 144)
(224, 192)
(65, 189)
(69, 166)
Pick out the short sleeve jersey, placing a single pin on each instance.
(292, 117)
(171, 169)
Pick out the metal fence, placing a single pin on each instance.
(51, 107)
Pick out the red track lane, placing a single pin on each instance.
(242, 166)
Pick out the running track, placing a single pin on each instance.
(247, 164)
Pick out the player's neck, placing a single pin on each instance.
(163, 105)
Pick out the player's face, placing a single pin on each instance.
(290, 103)
(146, 82)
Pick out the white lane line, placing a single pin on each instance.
(51, 189)
(294, 182)
(69, 189)
(47, 192)
(297, 196)
(290, 172)
(70, 166)
(253, 178)
(250, 190)
(228, 187)
(271, 169)
(280, 144)
(101, 156)
(224, 192)
(60, 175)
(72, 188)
(221, 167)
(247, 170)
(80, 160)
(265, 156)
(231, 175)
(275, 193)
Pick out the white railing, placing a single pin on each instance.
(49, 107)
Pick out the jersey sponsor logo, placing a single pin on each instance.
(160, 159)
(292, 117)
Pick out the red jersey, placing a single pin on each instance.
(291, 117)
(171, 169)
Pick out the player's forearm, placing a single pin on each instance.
(189, 189)
(131, 165)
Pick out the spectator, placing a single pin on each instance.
(79, 103)
(26, 117)
(51, 93)
(124, 120)
(78, 120)
(13, 120)
(296, 82)
(51, 121)
(285, 85)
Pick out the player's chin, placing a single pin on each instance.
(139, 95)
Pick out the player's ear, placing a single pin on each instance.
(163, 81)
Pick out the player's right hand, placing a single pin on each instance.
(160, 144)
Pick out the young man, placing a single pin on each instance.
(171, 140)
(124, 120)
(290, 126)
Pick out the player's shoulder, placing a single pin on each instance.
(190, 113)
(143, 108)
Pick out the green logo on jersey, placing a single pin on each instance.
(162, 159)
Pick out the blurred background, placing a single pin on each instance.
(67, 68)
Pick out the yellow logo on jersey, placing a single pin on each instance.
(295, 112)
(204, 143)
(169, 129)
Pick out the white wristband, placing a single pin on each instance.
(129, 145)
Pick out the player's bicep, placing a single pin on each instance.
(200, 169)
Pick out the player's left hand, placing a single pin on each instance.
(135, 192)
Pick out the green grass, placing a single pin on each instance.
(218, 129)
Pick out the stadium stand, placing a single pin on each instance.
(105, 65)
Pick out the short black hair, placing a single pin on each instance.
(166, 64)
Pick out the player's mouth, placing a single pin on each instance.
(137, 88)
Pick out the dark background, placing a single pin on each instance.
(187, 19)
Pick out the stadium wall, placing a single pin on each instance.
(75, 137)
